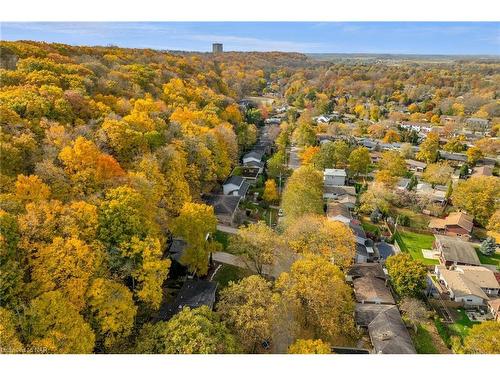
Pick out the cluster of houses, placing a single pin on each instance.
(460, 275)
(235, 188)
(376, 311)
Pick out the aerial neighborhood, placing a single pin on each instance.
(227, 202)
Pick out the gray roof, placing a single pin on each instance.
(193, 294)
(242, 191)
(456, 250)
(358, 230)
(389, 334)
(340, 190)
(453, 156)
(236, 180)
(369, 289)
(364, 313)
(223, 204)
(367, 269)
(254, 154)
(176, 249)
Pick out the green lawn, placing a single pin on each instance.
(491, 259)
(369, 227)
(229, 273)
(222, 237)
(414, 243)
(461, 325)
(423, 341)
(417, 220)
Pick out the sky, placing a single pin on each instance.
(441, 38)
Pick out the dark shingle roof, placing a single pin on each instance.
(223, 204)
(236, 180)
(389, 334)
(193, 294)
(367, 269)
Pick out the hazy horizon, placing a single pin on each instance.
(368, 38)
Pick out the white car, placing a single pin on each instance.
(280, 212)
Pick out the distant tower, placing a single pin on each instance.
(216, 47)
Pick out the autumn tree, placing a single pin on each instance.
(248, 307)
(408, 276)
(257, 244)
(391, 136)
(414, 310)
(428, 150)
(194, 224)
(455, 144)
(31, 189)
(474, 154)
(270, 191)
(393, 163)
(53, 325)
(11, 343)
(303, 193)
(302, 346)
(483, 338)
(66, 265)
(438, 173)
(359, 161)
(321, 301)
(314, 234)
(196, 331)
(112, 310)
(477, 196)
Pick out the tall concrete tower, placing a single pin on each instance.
(217, 48)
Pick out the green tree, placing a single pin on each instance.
(195, 223)
(359, 161)
(488, 246)
(198, 331)
(303, 193)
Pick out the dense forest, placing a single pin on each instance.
(106, 153)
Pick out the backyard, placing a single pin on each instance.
(413, 243)
(489, 259)
(227, 273)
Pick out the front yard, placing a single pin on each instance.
(413, 243)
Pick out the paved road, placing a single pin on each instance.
(385, 250)
(227, 229)
(234, 260)
(293, 160)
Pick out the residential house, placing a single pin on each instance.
(454, 251)
(453, 157)
(436, 194)
(334, 177)
(250, 174)
(494, 307)
(338, 212)
(470, 285)
(340, 193)
(193, 294)
(225, 207)
(369, 289)
(403, 184)
(365, 248)
(415, 166)
(455, 224)
(386, 329)
(236, 185)
(255, 156)
(485, 170)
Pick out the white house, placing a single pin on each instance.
(471, 285)
(235, 185)
(334, 177)
(252, 156)
(338, 212)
